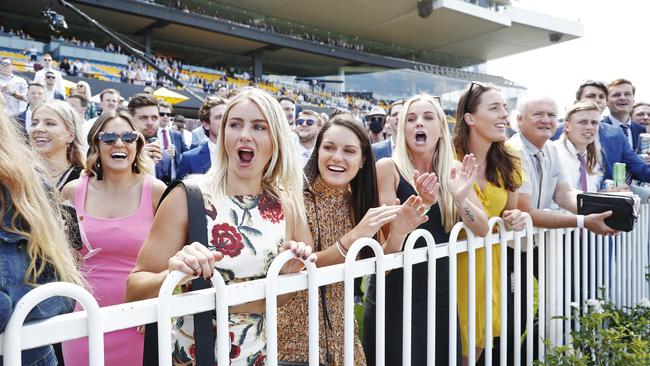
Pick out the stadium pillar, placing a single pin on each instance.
(257, 65)
(147, 41)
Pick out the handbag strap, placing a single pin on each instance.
(197, 232)
(323, 289)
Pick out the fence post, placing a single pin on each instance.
(350, 259)
(493, 221)
(272, 308)
(13, 336)
(407, 296)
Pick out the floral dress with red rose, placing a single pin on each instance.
(248, 231)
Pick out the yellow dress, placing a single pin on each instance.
(494, 200)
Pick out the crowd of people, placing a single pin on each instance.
(277, 176)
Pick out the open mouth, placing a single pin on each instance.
(420, 137)
(245, 155)
(501, 126)
(119, 155)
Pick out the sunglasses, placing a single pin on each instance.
(47, 59)
(376, 119)
(163, 114)
(110, 138)
(302, 121)
(50, 77)
(469, 94)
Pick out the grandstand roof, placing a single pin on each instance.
(469, 33)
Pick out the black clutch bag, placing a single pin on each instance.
(625, 208)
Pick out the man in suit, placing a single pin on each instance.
(385, 148)
(620, 101)
(50, 92)
(641, 114)
(172, 141)
(35, 97)
(144, 108)
(199, 159)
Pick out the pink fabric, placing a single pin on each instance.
(120, 240)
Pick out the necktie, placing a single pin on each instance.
(539, 155)
(626, 130)
(583, 172)
(165, 140)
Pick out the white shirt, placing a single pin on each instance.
(39, 77)
(618, 124)
(571, 166)
(14, 84)
(187, 137)
(85, 129)
(303, 154)
(213, 152)
(28, 119)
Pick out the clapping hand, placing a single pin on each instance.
(427, 186)
(461, 180)
(411, 215)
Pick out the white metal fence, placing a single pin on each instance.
(573, 266)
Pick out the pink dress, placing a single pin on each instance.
(119, 241)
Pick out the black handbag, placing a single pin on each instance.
(624, 207)
(203, 337)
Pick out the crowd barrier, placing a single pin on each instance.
(574, 265)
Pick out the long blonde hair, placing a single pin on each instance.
(36, 212)
(283, 174)
(72, 123)
(443, 158)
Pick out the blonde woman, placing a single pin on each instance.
(579, 148)
(254, 209)
(83, 88)
(33, 248)
(423, 164)
(115, 201)
(54, 134)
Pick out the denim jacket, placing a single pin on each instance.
(13, 267)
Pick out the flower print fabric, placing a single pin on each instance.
(247, 230)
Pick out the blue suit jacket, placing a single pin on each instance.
(58, 96)
(636, 129)
(382, 149)
(616, 149)
(179, 144)
(164, 168)
(195, 161)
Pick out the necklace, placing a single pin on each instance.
(55, 175)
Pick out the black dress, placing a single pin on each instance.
(394, 287)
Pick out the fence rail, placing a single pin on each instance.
(573, 265)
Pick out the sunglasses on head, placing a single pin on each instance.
(110, 138)
(302, 121)
(469, 93)
(163, 114)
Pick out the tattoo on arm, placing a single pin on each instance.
(468, 213)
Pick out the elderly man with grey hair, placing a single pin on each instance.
(544, 185)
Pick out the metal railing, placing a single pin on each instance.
(617, 264)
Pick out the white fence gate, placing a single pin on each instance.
(573, 266)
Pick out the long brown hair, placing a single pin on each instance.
(502, 167)
(142, 163)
